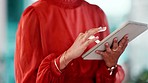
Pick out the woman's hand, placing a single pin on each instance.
(81, 43)
(111, 55)
(78, 47)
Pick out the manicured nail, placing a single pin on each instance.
(115, 39)
(97, 37)
(91, 37)
(97, 51)
(101, 29)
(106, 44)
(126, 35)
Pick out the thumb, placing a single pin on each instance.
(99, 52)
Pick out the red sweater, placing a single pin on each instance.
(48, 28)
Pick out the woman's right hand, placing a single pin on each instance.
(78, 47)
(81, 43)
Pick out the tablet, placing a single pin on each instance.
(133, 29)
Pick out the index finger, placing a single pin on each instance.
(91, 32)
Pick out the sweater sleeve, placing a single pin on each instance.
(31, 65)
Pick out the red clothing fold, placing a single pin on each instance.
(45, 31)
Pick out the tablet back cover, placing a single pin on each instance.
(133, 29)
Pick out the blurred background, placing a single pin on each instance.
(134, 60)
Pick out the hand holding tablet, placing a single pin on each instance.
(133, 29)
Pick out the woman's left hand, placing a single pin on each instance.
(111, 55)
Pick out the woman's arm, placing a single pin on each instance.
(31, 65)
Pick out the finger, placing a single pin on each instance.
(101, 29)
(123, 41)
(80, 36)
(90, 33)
(115, 43)
(107, 47)
(125, 45)
(88, 42)
(99, 53)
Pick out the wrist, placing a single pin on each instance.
(64, 60)
(111, 64)
(111, 69)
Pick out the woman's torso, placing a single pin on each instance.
(59, 28)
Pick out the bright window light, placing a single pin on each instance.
(33, 0)
(113, 7)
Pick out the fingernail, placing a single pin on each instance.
(115, 39)
(97, 51)
(91, 37)
(101, 29)
(97, 41)
(126, 35)
(97, 37)
(106, 43)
